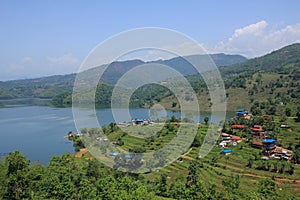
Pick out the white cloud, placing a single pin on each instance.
(64, 60)
(165, 52)
(253, 29)
(259, 39)
(27, 60)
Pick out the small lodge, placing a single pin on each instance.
(225, 136)
(280, 152)
(141, 122)
(241, 113)
(226, 151)
(258, 133)
(270, 150)
(238, 126)
(223, 144)
(128, 156)
(236, 138)
(113, 154)
(257, 145)
(257, 128)
(226, 139)
(229, 139)
(269, 145)
(100, 139)
(284, 126)
(74, 134)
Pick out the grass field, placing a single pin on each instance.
(216, 167)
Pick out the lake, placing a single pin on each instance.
(38, 131)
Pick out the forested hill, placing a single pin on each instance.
(44, 87)
(268, 84)
(47, 87)
(280, 61)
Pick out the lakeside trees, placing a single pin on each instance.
(66, 177)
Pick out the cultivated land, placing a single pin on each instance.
(216, 167)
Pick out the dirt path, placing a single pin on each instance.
(80, 153)
(239, 171)
(188, 157)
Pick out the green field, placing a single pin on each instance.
(217, 167)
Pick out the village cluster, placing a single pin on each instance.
(137, 122)
(261, 139)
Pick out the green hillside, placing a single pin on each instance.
(272, 86)
(271, 82)
(280, 61)
(47, 87)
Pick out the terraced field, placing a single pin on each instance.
(216, 167)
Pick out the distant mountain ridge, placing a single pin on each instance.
(47, 87)
(271, 82)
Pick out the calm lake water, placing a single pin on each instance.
(38, 131)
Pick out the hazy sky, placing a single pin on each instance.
(41, 38)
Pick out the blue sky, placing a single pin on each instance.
(40, 38)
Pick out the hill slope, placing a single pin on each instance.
(48, 87)
(271, 82)
(280, 61)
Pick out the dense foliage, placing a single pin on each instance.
(66, 177)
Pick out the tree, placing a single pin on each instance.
(268, 188)
(16, 162)
(296, 154)
(250, 162)
(161, 185)
(17, 182)
(178, 189)
(174, 104)
(86, 189)
(275, 167)
(272, 110)
(288, 111)
(113, 127)
(258, 120)
(193, 172)
(291, 169)
(174, 119)
(231, 185)
(120, 142)
(206, 119)
(256, 111)
(196, 142)
(298, 115)
(93, 168)
(281, 169)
